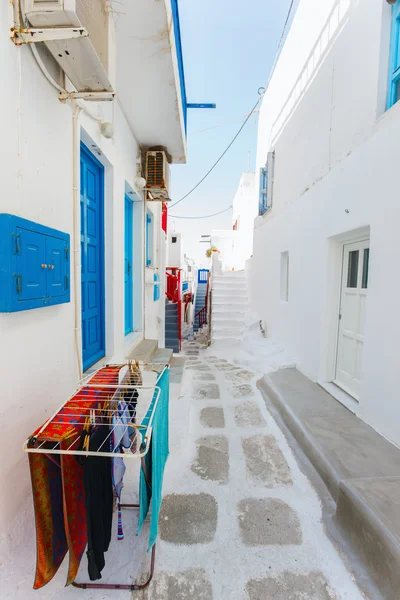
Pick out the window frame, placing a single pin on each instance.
(266, 185)
(149, 238)
(284, 277)
(394, 56)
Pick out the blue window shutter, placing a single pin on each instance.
(148, 239)
(394, 59)
(263, 200)
(156, 279)
(34, 265)
(33, 276)
(57, 263)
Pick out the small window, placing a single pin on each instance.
(285, 276)
(365, 268)
(266, 184)
(263, 199)
(352, 272)
(394, 60)
(174, 239)
(149, 239)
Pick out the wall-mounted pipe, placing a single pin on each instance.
(76, 236)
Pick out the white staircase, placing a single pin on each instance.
(229, 306)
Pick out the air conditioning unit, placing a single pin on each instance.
(157, 175)
(84, 60)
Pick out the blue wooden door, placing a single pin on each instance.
(128, 260)
(92, 258)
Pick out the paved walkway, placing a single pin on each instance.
(239, 519)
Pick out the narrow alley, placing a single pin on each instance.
(240, 519)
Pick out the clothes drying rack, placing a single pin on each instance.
(100, 393)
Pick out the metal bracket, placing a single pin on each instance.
(48, 34)
(89, 96)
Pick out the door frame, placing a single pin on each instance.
(129, 241)
(86, 365)
(330, 314)
(344, 271)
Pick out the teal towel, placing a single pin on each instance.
(155, 459)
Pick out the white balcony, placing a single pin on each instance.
(150, 78)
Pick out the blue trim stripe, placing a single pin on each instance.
(394, 59)
(179, 54)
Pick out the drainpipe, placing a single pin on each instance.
(144, 265)
(75, 204)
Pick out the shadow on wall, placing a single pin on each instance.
(331, 30)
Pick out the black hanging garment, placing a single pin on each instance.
(98, 500)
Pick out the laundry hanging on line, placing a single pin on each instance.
(66, 518)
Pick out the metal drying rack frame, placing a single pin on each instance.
(109, 395)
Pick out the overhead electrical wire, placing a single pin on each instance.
(261, 94)
(222, 155)
(203, 217)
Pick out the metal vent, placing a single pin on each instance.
(155, 170)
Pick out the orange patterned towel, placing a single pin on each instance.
(58, 490)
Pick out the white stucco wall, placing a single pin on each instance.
(175, 250)
(335, 177)
(37, 349)
(244, 211)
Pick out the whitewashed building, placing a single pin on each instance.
(82, 252)
(235, 245)
(326, 241)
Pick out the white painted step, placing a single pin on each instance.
(222, 320)
(228, 333)
(225, 341)
(239, 302)
(228, 315)
(231, 311)
(224, 297)
(237, 285)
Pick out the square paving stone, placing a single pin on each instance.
(248, 414)
(224, 366)
(212, 416)
(265, 463)
(204, 376)
(242, 391)
(206, 391)
(212, 459)
(188, 518)
(239, 375)
(267, 522)
(187, 585)
(290, 586)
(198, 366)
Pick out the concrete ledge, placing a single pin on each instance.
(368, 513)
(359, 467)
(338, 443)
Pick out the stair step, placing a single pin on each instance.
(229, 302)
(367, 510)
(144, 351)
(162, 356)
(228, 314)
(227, 332)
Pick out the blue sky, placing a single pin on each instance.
(228, 50)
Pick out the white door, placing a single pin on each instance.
(352, 316)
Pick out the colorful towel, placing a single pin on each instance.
(155, 459)
(51, 540)
(58, 491)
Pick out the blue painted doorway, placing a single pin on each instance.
(128, 264)
(92, 258)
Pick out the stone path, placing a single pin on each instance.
(239, 519)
